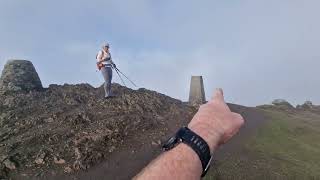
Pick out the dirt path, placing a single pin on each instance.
(131, 158)
(253, 120)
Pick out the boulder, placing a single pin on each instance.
(282, 103)
(19, 75)
(306, 105)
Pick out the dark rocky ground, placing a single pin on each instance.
(71, 132)
(70, 128)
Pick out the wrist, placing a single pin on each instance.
(187, 154)
(211, 136)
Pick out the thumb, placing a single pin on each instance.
(218, 95)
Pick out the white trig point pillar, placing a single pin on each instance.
(197, 95)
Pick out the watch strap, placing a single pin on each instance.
(199, 145)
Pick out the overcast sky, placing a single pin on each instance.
(256, 50)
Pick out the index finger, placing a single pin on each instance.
(218, 99)
(218, 95)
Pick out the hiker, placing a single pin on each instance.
(189, 153)
(105, 65)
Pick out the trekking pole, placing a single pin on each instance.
(120, 78)
(125, 76)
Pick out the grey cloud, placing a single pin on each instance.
(257, 50)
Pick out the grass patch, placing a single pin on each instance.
(288, 147)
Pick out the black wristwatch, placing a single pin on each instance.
(199, 145)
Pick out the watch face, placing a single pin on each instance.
(170, 143)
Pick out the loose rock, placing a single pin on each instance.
(9, 164)
(59, 161)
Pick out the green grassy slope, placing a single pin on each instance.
(287, 147)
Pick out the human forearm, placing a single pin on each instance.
(215, 124)
(181, 160)
(179, 163)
